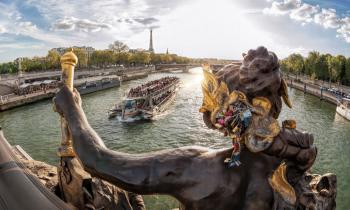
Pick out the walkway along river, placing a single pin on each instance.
(36, 128)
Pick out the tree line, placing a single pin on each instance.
(118, 54)
(319, 66)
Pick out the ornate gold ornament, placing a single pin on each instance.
(216, 95)
(263, 127)
(279, 183)
(291, 124)
(217, 98)
(68, 62)
(284, 93)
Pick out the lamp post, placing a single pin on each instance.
(68, 62)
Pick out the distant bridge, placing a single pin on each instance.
(184, 67)
(175, 67)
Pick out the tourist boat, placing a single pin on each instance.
(147, 100)
(343, 108)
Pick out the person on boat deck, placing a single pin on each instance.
(151, 86)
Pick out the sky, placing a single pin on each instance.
(194, 28)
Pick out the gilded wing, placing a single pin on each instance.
(209, 86)
(280, 184)
(284, 93)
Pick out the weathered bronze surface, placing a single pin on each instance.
(198, 176)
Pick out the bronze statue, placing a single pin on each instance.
(272, 159)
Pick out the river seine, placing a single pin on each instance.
(36, 128)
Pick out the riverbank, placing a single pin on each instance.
(82, 83)
(313, 90)
(84, 86)
(129, 77)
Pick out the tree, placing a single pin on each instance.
(155, 58)
(140, 58)
(53, 60)
(82, 57)
(284, 65)
(124, 58)
(310, 62)
(317, 65)
(295, 63)
(9, 67)
(99, 58)
(34, 64)
(321, 67)
(118, 47)
(338, 67)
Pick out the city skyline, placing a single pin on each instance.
(195, 29)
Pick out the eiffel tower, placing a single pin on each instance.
(150, 49)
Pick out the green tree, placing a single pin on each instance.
(347, 71)
(321, 68)
(337, 68)
(53, 60)
(34, 64)
(9, 67)
(310, 62)
(140, 58)
(124, 58)
(102, 58)
(284, 66)
(295, 63)
(82, 57)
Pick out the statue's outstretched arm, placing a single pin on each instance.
(157, 172)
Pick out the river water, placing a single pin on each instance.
(36, 128)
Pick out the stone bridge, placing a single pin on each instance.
(184, 67)
(175, 67)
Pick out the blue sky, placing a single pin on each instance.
(196, 28)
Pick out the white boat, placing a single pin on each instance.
(343, 108)
(146, 101)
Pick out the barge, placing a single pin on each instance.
(147, 100)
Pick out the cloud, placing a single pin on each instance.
(21, 46)
(27, 26)
(86, 25)
(328, 18)
(282, 8)
(344, 30)
(146, 21)
(306, 13)
(67, 23)
(2, 29)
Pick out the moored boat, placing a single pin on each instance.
(147, 100)
(343, 108)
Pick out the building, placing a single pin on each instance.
(137, 50)
(59, 50)
(87, 50)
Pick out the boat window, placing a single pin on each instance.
(129, 104)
